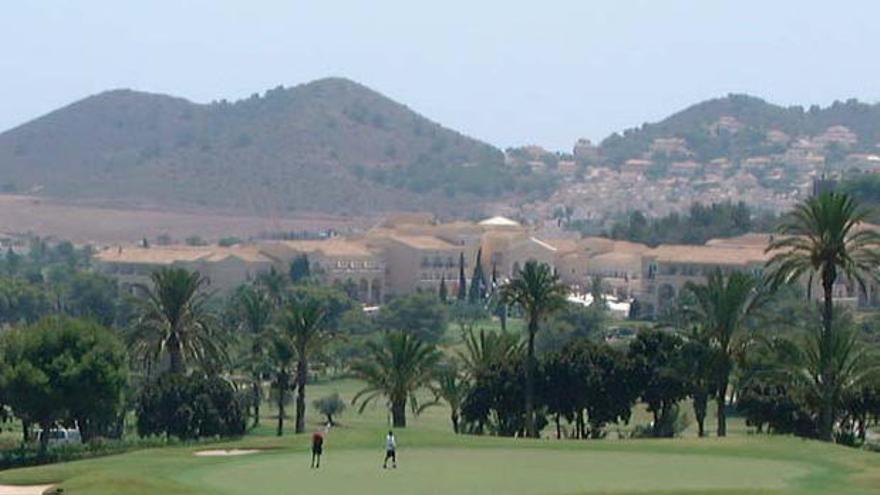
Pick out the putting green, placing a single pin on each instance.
(481, 471)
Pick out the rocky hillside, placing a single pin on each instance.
(330, 146)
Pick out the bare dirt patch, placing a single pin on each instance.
(82, 223)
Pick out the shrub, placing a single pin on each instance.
(190, 407)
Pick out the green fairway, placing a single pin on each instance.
(494, 470)
(434, 461)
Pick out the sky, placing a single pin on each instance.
(508, 72)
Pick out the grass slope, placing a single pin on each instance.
(433, 461)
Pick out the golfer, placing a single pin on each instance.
(317, 448)
(390, 451)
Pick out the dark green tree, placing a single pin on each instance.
(300, 269)
(537, 290)
(64, 370)
(654, 356)
(420, 314)
(477, 291)
(462, 280)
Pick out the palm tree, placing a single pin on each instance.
(451, 387)
(803, 365)
(823, 239)
(303, 324)
(722, 307)
(537, 290)
(396, 368)
(255, 311)
(283, 354)
(275, 284)
(174, 320)
(483, 349)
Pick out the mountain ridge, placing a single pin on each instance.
(313, 147)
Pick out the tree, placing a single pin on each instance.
(450, 386)
(477, 291)
(484, 349)
(335, 301)
(282, 354)
(302, 323)
(804, 367)
(590, 377)
(653, 357)
(420, 314)
(824, 240)
(174, 320)
(396, 368)
(695, 363)
(275, 285)
(537, 290)
(330, 406)
(299, 269)
(496, 399)
(722, 307)
(91, 295)
(443, 293)
(22, 301)
(189, 407)
(255, 311)
(64, 370)
(462, 280)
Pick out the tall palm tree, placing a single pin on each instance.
(722, 307)
(823, 239)
(537, 290)
(174, 320)
(303, 324)
(255, 311)
(396, 368)
(283, 355)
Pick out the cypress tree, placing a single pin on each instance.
(462, 281)
(443, 291)
(478, 281)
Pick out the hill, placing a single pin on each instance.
(327, 146)
(737, 127)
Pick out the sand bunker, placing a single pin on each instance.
(24, 490)
(216, 453)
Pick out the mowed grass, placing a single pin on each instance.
(434, 461)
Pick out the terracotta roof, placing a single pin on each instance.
(424, 242)
(162, 255)
(331, 247)
(167, 255)
(709, 255)
(753, 240)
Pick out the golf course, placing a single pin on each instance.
(432, 460)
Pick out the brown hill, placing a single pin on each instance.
(331, 146)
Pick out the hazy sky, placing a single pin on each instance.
(508, 72)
